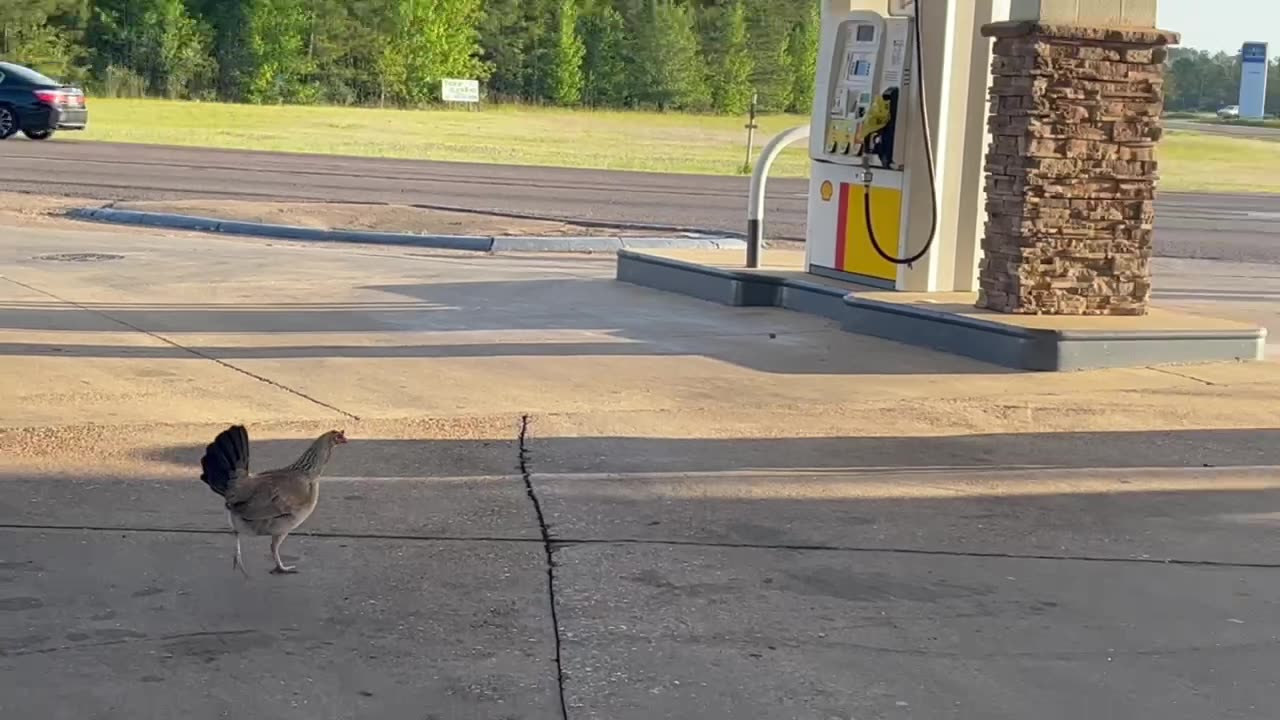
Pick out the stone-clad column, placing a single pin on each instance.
(1071, 168)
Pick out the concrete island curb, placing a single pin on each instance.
(474, 243)
(989, 340)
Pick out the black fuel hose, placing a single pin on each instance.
(928, 153)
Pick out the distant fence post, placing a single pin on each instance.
(751, 131)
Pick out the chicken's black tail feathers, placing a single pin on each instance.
(226, 459)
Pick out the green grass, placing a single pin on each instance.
(1264, 122)
(663, 142)
(1195, 162)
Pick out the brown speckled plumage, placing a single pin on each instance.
(274, 502)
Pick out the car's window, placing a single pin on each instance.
(25, 75)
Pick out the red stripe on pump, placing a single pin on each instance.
(842, 226)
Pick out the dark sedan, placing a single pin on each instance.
(36, 105)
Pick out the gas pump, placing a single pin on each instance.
(861, 142)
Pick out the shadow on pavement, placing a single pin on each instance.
(1222, 448)
(765, 578)
(612, 319)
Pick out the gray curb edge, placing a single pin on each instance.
(475, 243)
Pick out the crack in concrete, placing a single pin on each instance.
(549, 548)
(1184, 376)
(564, 542)
(183, 348)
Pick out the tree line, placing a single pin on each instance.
(1197, 81)
(696, 55)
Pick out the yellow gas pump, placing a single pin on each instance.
(859, 181)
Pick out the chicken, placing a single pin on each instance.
(272, 503)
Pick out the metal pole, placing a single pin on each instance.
(755, 202)
(751, 131)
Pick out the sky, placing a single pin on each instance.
(1204, 27)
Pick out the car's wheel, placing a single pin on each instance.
(38, 134)
(8, 122)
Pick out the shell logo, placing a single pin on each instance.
(826, 190)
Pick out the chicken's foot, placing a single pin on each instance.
(280, 568)
(237, 560)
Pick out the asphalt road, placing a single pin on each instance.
(1225, 227)
(1248, 131)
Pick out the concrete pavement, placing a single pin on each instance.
(1247, 292)
(561, 486)
(149, 624)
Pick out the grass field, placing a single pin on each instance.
(614, 140)
(668, 142)
(1195, 162)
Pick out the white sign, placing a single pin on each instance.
(464, 91)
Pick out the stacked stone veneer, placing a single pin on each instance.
(1071, 169)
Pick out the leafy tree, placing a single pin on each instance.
(280, 52)
(605, 78)
(229, 27)
(730, 55)
(42, 34)
(175, 51)
(428, 40)
(156, 39)
(770, 32)
(566, 70)
(504, 45)
(670, 72)
(1197, 81)
(599, 52)
(803, 50)
(346, 43)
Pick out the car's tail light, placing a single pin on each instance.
(61, 98)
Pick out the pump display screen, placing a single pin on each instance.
(866, 33)
(857, 68)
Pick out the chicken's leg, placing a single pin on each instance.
(237, 561)
(280, 568)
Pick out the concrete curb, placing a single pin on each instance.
(474, 243)
(1007, 345)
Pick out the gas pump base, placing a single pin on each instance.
(948, 322)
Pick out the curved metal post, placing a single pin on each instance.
(755, 203)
